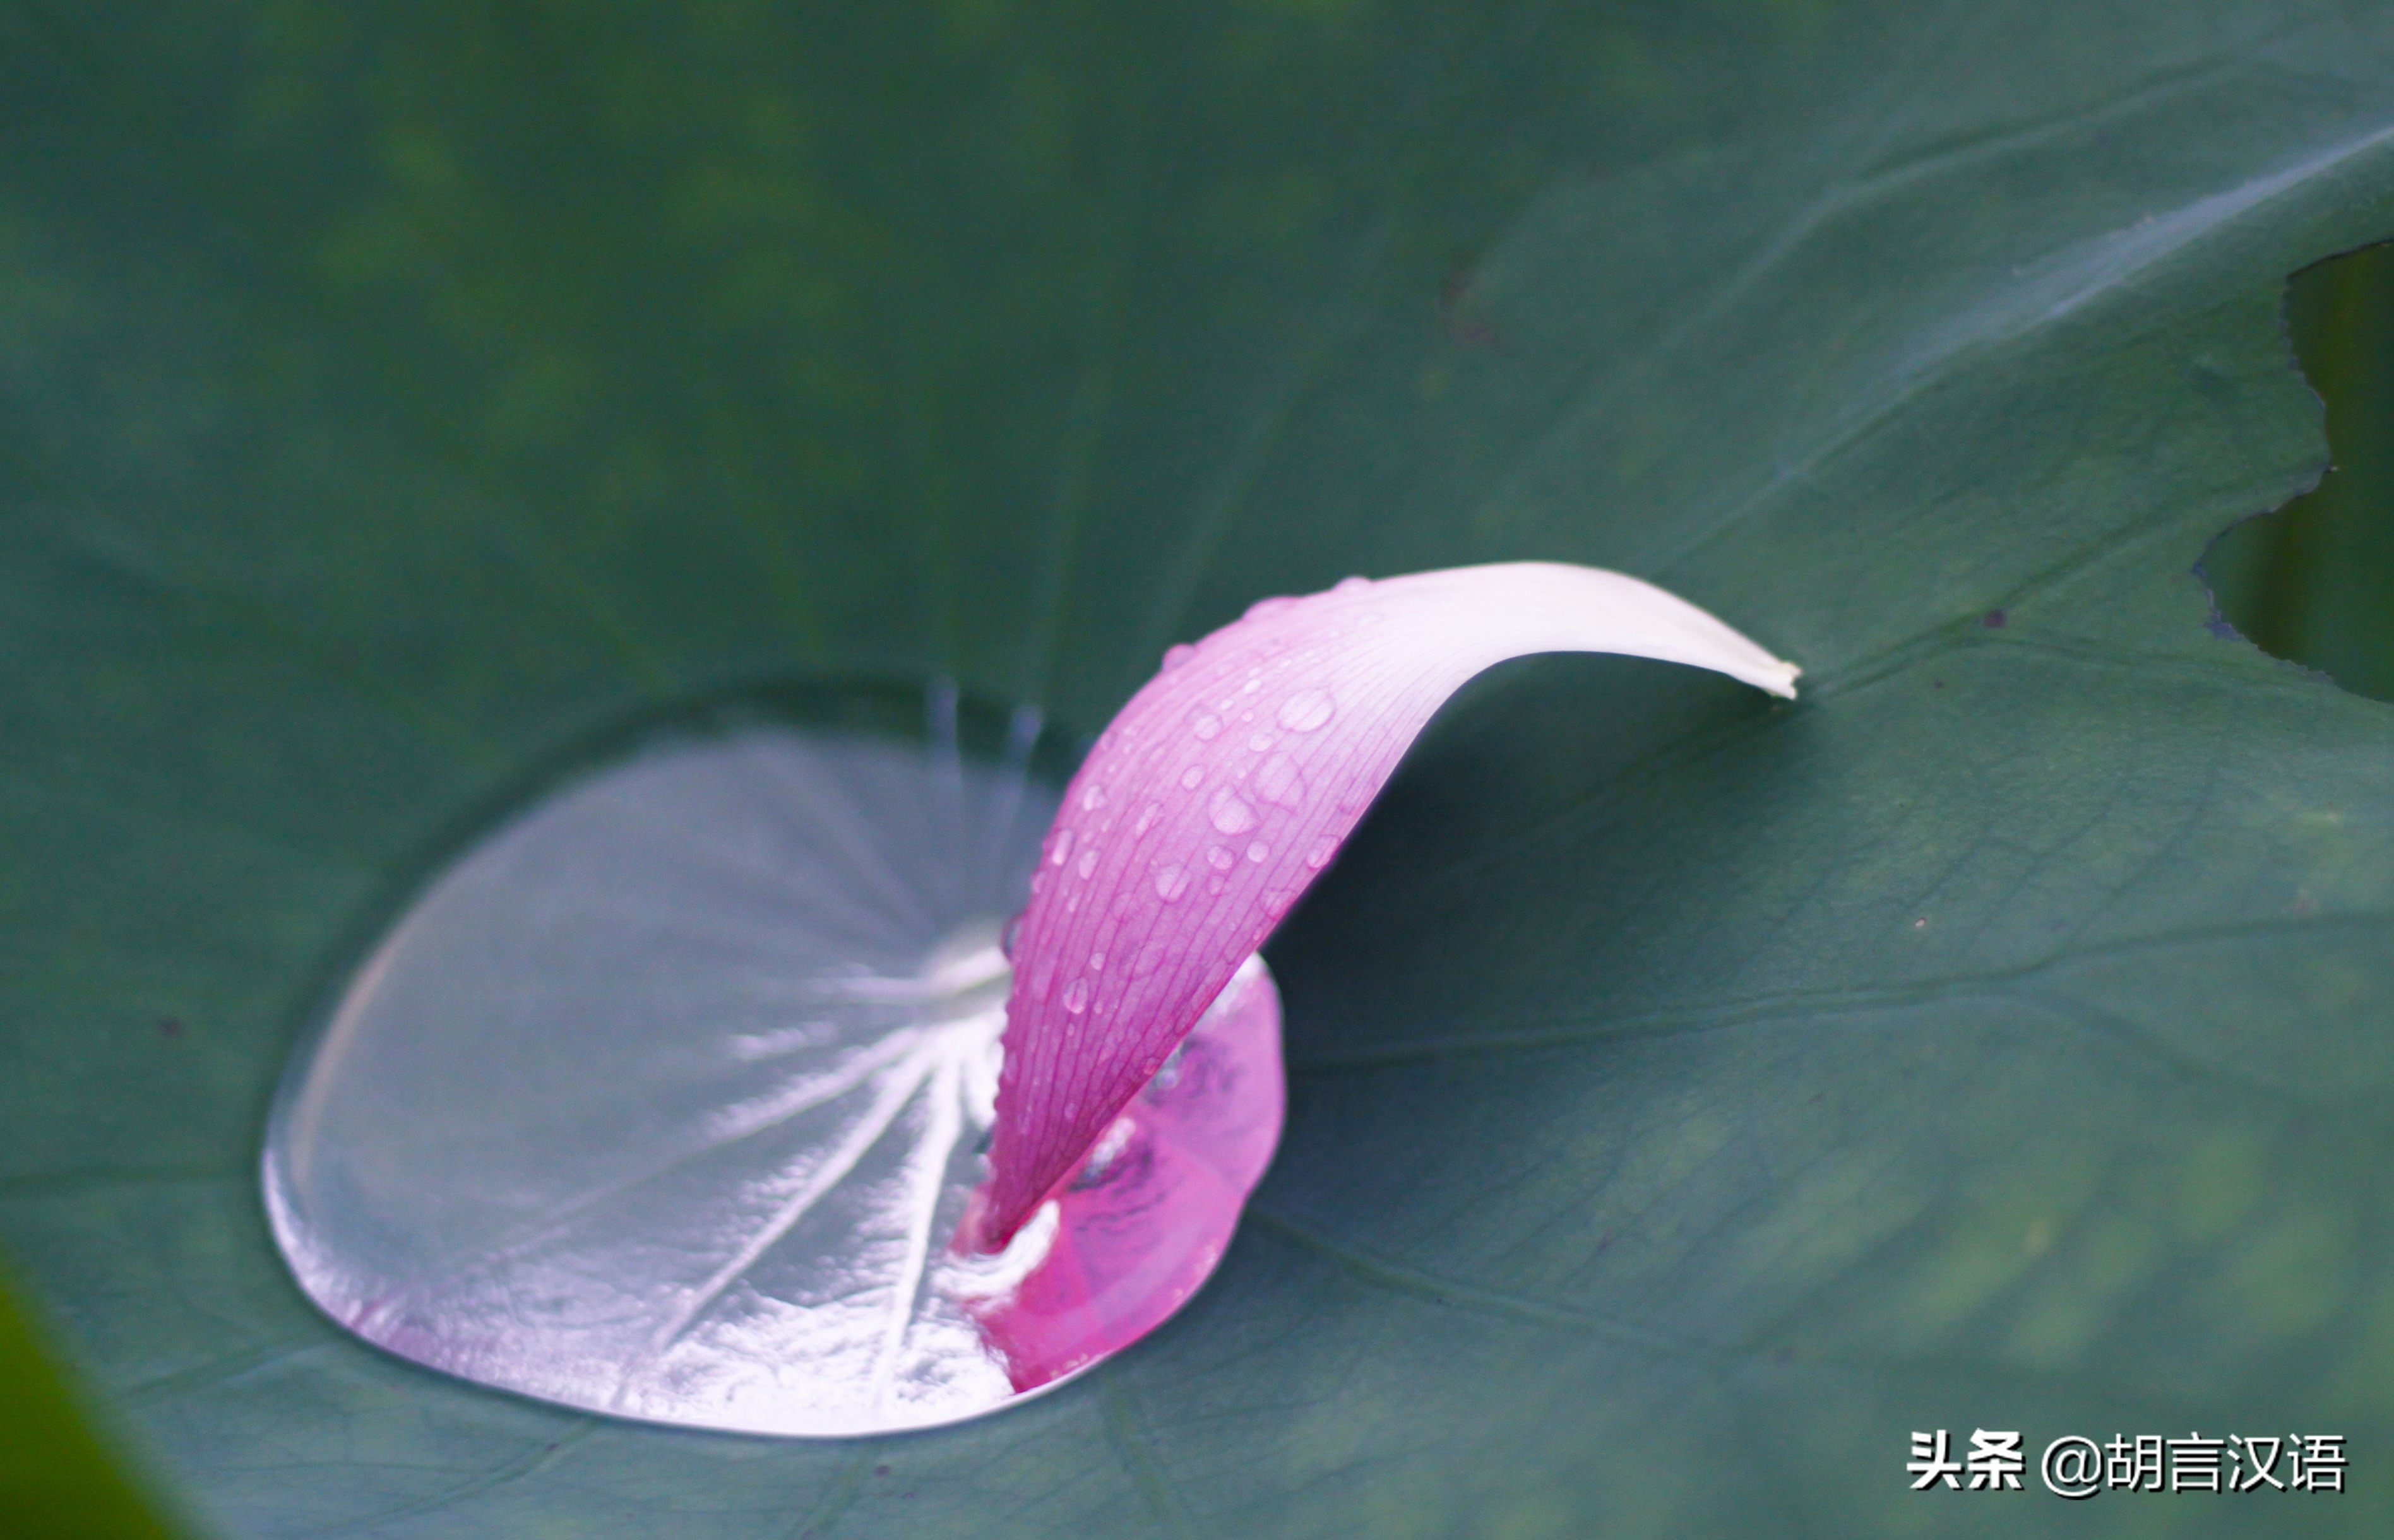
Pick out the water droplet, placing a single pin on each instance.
(1260, 742)
(1258, 851)
(1205, 724)
(1191, 776)
(1279, 781)
(1147, 819)
(1318, 855)
(1230, 812)
(1177, 654)
(1349, 585)
(1071, 903)
(1307, 710)
(1170, 883)
(1038, 881)
(1097, 962)
(1277, 900)
(1008, 937)
(1272, 606)
(1076, 996)
(1062, 849)
(1093, 797)
(1251, 687)
(1219, 858)
(1088, 861)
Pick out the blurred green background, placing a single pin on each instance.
(2314, 581)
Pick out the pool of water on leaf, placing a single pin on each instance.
(666, 1096)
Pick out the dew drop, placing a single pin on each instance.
(1008, 937)
(1192, 777)
(1076, 996)
(1351, 585)
(1170, 883)
(1272, 606)
(1280, 782)
(1230, 812)
(1147, 819)
(1251, 687)
(1088, 861)
(1205, 724)
(1277, 900)
(1258, 851)
(1062, 849)
(1306, 711)
(1318, 855)
(1093, 798)
(1219, 858)
(1097, 962)
(1260, 742)
(1177, 654)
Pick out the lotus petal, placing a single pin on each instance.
(1226, 786)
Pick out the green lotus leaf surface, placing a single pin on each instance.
(1690, 1096)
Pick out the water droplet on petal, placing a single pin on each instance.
(1260, 742)
(1062, 849)
(1177, 654)
(1093, 797)
(1277, 900)
(1279, 781)
(1205, 724)
(1088, 861)
(1349, 585)
(1076, 996)
(1230, 812)
(1318, 855)
(1258, 851)
(1097, 962)
(1307, 710)
(1191, 776)
(1251, 687)
(1272, 606)
(1170, 883)
(1147, 819)
(1219, 858)
(1008, 937)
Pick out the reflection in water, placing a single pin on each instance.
(666, 1098)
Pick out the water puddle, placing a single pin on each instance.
(666, 1097)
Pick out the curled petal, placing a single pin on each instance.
(1223, 788)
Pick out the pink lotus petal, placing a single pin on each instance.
(1223, 788)
(1146, 1217)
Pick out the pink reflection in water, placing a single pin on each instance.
(1152, 1207)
